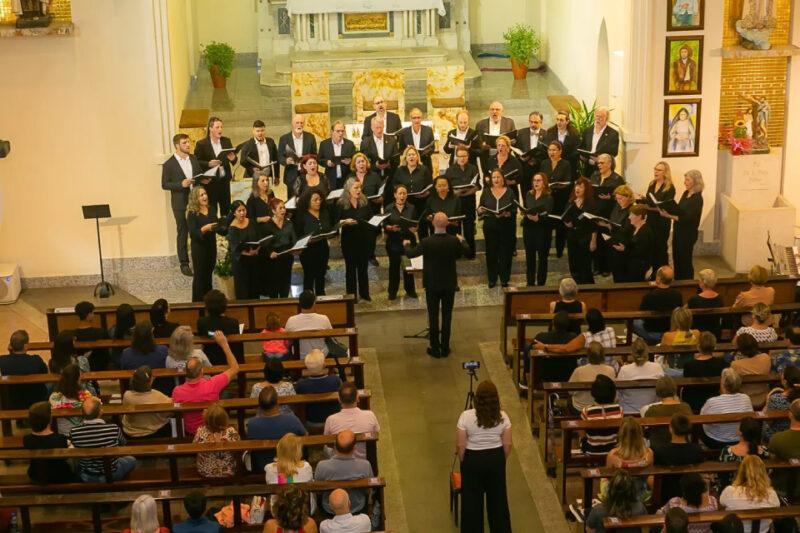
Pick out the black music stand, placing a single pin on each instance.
(104, 288)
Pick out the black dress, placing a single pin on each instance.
(256, 208)
(579, 238)
(450, 205)
(315, 258)
(465, 176)
(204, 253)
(537, 236)
(395, 249)
(563, 172)
(280, 268)
(659, 225)
(245, 268)
(603, 208)
(640, 253)
(355, 242)
(370, 186)
(414, 181)
(684, 235)
(708, 322)
(511, 168)
(499, 235)
(301, 186)
(574, 307)
(619, 235)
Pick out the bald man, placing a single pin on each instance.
(344, 466)
(391, 121)
(291, 147)
(344, 521)
(419, 136)
(439, 277)
(494, 124)
(598, 139)
(462, 132)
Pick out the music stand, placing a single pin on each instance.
(104, 288)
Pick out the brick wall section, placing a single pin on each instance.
(60, 9)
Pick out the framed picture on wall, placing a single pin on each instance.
(681, 128)
(683, 68)
(685, 15)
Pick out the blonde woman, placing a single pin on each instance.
(680, 334)
(687, 223)
(662, 189)
(751, 489)
(631, 450)
(417, 178)
(216, 428)
(761, 328)
(758, 292)
(632, 400)
(182, 347)
(202, 224)
(144, 516)
(289, 466)
(357, 237)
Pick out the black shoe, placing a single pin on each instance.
(492, 284)
(504, 285)
(186, 271)
(366, 298)
(412, 295)
(445, 351)
(433, 353)
(392, 297)
(373, 261)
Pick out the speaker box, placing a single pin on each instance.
(10, 285)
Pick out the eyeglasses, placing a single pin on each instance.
(338, 131)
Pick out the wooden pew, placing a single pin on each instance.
(251, 313)
(756, 515)
(236, 493)
(622, 297)
(570, 427)
(241, 406)
(145, 478)
(523, 321)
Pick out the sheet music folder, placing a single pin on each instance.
(96, 211)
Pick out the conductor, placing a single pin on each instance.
(439, 277)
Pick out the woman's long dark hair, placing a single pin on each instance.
(487, 405)
(158, 312)
(142, 340)
(750, 429)
(621, 495)
(126, 319)
(69, 384)
(588, 192)
(64, 351)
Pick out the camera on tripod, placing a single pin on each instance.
(471, 365)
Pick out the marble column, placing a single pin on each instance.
(638, 61)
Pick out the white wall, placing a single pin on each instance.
(791, 156)
(232, 21)
(84, 117)
(489, 19)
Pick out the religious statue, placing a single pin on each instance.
(32, 13)
(758, 114)
(756, 24)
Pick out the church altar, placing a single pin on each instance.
(296, 7)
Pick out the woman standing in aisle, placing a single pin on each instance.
(354, 212)
(581, 232)
(687, 224)
(202, 230)
(314, 217)
(537, 230)
(398, 230)
(283, 238)
(499, 225)
(244, 260)
(663, 190)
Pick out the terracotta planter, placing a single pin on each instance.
(520, 71)
(217, 80)
(226, 286)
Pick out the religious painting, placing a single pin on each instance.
(681, 128)
(683, 69)
(685, 15)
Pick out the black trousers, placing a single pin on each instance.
(245, 277)
(683, 240)
(580, 258)
(636, 270)
(537, 237)
(315, 261)
(395, 271)
(467, 228)
(356, 257)
(660, 227)
(499, 237)
(619, 264)
(281, 273)
(439, 338)
(266, 279)
(483, 474)
(204, 256)
(182, 244)
(419, 207)
(219, 194)
(560, 198)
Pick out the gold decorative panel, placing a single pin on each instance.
(311, 91)
(366, 22)
(445, 93)
(60, 9)
(390, 83)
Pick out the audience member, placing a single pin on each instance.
(195, 504)
(344, 465)
(730, 400)
(344, 521)
(631, 450)
(182, 347)
(632, 400)
(289, 466)
(622, 501)
(791, 355)
(662, 298)
(145, 425)
(319, 380)
(42, 437)
(694, 498)
(761, 328)
(290, 513)
(94, 432)
(550, 368)
(216, 428)
(751, 489)
(279, 348)
(601, 441)
(308, 320)
(707, 298)
(729, 524)
(86, 331)
(352, 417)
(144, 351)
(586, 373)
(677, 452)
(69, 393)
(274, 375)
(64, 353)
(749, 444)
(680, 332)
(215, 320)
(569, 303)
(122, 329)
(159, 313)
(19, 362)
(144, 516)
(752, 361)
(758, 292)
(270, 424)
(198, 389)
(676, 521)
(597, 331)
(786, 445)
(704, 365)
(668, 405)
(780, 399)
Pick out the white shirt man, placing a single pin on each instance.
(352, 417)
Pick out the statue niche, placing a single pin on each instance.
(32, 13)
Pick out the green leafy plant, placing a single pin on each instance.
(521, 43)
(220, 55)
(582, 117)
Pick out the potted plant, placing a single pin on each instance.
(219, 60)
(223, 268)
(521, 43)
